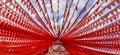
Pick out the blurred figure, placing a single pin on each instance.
(57, 49)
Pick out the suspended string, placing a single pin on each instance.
(102, 17)
(78, 16)
(88, 18)
(49, 22)
(31, 8)
(68, 25)
(83, 23)
(66, 17)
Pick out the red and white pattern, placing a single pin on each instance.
(27, 27)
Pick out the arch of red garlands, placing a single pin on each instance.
(20, 34)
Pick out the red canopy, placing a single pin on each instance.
(28, 27)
